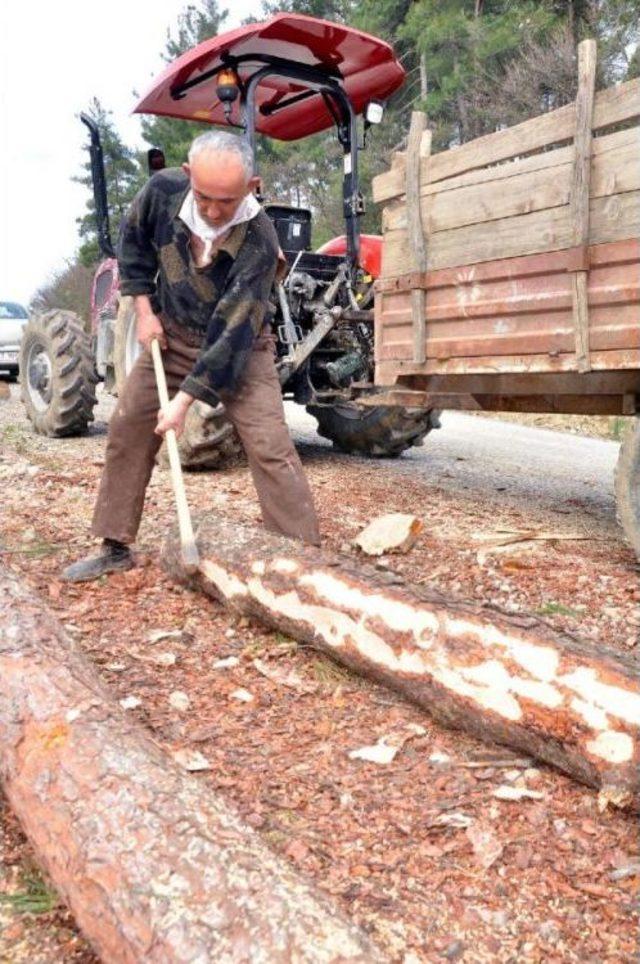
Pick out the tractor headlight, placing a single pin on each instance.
(373, 112)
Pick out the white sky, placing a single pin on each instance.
(54, 58)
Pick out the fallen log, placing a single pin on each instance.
(154, 867)
(509, 679)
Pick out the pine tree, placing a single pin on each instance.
(196, 23)
(614, 24)
(467, 44)
(340, 11)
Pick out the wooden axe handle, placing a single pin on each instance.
(190, 556)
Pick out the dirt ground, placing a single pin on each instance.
(395, 845)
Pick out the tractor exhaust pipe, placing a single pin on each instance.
(99, 187)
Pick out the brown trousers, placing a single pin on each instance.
(256, 411)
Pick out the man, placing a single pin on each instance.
(199, 257)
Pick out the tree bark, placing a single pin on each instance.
(509, 679)
(154, 867)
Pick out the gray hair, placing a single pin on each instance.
(222, 142)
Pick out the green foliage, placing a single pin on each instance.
(122, 174)
(196, 23)
(558, 609)
(69, 289)
(306, 174)
(339, 11)
(466, 46)
(615, 25)
(617, 427)
(35, 898)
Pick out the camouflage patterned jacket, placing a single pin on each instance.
(221, 306)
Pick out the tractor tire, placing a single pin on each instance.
(57, 374)
(209, 440)
(627, 484)
(381, 432)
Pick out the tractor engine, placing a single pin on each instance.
(316, 282)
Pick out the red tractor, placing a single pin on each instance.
(287, 78)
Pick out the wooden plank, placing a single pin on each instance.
(388, 370)
(517, 307)
(612, 106)
(607, 143)
(582, 143)
(526, 338)
(613, 218)
(487, 202)
(618, 254)
(581, 319)
(614, 171)
(558, 404)
(531, 383)
(417, 241)
(579, 198)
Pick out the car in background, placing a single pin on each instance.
(13, 318)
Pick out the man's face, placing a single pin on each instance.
(219, 184)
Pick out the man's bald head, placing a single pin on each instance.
(220, 169)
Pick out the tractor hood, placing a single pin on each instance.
(366, 68)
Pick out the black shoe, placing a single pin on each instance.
(113, 557)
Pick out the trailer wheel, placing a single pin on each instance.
(57, 374)
(209, 440)
(627, 484)
(382, 432)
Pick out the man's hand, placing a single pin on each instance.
(148, 325)
(174, 414)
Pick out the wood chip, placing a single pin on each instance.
(381, 753)
(191, 760)
(227, 663)
(243, 695)
(179, 701)
(130, 703)
(164, 659)
(516, 793)
(395, 532)
(486, 846)
(159, 634)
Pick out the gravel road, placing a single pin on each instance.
(498, 460)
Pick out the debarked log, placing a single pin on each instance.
(153, 865)
(505, 678)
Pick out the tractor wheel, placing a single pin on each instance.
(627, 484)
(384, 431)
(57, 374)
(209, 440)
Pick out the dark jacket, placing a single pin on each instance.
(223, 304)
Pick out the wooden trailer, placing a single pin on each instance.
(511, 270)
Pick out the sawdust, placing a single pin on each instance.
(560, 884)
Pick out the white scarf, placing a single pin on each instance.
(189, 214)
